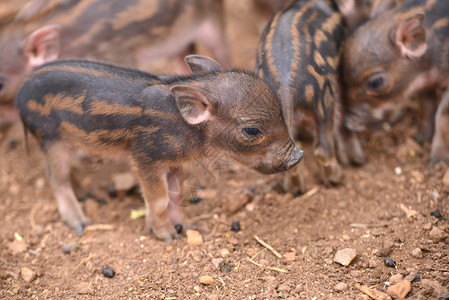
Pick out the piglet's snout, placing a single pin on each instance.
(294, 158)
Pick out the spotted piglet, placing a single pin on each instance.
(298, 57)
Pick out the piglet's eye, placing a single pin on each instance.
(251, 131)
(376, 83)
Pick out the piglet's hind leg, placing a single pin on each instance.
(58, 164)
(440, 142)
(176, 214)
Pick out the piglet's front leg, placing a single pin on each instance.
(331, 171)
(428, 103)
(153, 181)
(348, 145)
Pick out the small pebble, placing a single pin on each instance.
(101, 201)
(445, 295)
(396, 278)
(66, 249)
(433, 285)
(194, 238)
(207, 280)
(27, 274)
(345, 256)
(235, 226)
(417, 253)
(197, 289)
(108, 272)
(413, 277)
(283, 288)
(427, 226)
(195, 200)
(112, 192)
(389, 262)
(435, 195)
(400, 289)
(290, 256)
(436, 214)
(340, 287)
(178, 228)
(438, 234)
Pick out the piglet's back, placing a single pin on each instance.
(89, 97)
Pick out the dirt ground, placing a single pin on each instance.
(383, 209)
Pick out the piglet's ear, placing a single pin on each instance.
(410, 36)
(192, 103)
(202, 64)
(42, 45)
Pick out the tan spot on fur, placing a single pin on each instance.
(137, 12)
(296, 42)
(163, 115)
(319, 59)
(409, 13)
(268, 48)
(309, 93)
(331, 23)
(71, 69)
(319, 37)
(100, 107)
(430, 3)
(441, 23)
(332, 61)
(57, 102)
(103, 141)
(317, 76)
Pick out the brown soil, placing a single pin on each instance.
(364, 213)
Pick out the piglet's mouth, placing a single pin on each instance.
(295, 157)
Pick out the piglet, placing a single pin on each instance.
(298, 57)
(399, 55)
(132, 33)
(160, 123)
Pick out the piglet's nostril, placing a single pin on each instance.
(295, 157)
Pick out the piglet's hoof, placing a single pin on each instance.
(166, 235)
(78, 227)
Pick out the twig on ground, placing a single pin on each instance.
(222, 281)
(268, 267)
(359, 225)
(308, 194)
(278, 255)
(99, 227)
(365, 290)
(85, 260)
(277, 269)
(257, 264)
(258, 253)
